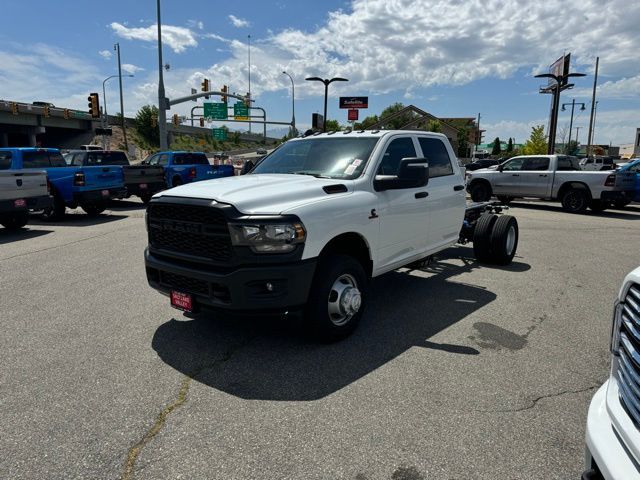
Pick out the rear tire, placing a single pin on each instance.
(56, 211)
(505, 199)
(575, 200)
(482, 237)
(146, 197)
(598, 206)
(177, 181)
(15, 221)
(94, 209)
(621, 203)
(504, 240)
(337, 297)
(480, 192)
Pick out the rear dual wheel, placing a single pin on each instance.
(15, 221)
(94, 209)
(495, 239)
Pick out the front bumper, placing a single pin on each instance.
(242, 289)
(606, 454)
(31, 203)
(94, 196)
(612, 196)
(136, 189)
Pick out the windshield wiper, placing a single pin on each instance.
(317, 175)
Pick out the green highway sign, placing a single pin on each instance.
(240, 111)
(215, 111)
(219, 133)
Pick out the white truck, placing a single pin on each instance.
(20, 191)
(613, 433)
(313, 222)
(551, 177)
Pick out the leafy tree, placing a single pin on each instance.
(496, 147)
(537, 142)
(235, 138)
(434, 126)
(510, 145)
(144, 125)
(366, 123)
(331, 125)
(463, 142)
(398, 122)
(572, 147)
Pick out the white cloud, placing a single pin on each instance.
(238, 22)
(177, 38)
(130, 68)
(199, 24)
(106, 54)
(624, 88)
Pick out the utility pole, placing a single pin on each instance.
(577, 134)
(479, 133)
(249, 65)
(593, 107)
(116, 47)
(162, 101)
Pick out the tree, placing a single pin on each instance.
(332, 125)
(366, 123)
(236, 138)
(397, 122)
(510, 145)
(496, 147)
(145, 128)
(434, 126)
(537, 142)
(463, 142)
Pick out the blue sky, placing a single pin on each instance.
(449, 58)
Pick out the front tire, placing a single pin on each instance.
(15, 221)
(575, 200)
(480, 192)
(337, 298)
(56, 211)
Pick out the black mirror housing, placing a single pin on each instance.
(413, 172)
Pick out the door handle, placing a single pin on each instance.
(457, 188)
(515, 174)
(422, 195)
(542, 175)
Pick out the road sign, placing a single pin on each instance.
(240, 111)
(219, 133)
(352, 114)
(354, 102)
(215, 111)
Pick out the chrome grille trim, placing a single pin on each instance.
(629, 359)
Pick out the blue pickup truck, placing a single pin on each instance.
(187, 167)
(632, 166)
(87, 187)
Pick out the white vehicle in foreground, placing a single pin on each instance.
(613, 436)
(313, 222)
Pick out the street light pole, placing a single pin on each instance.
(116, 47)
(573, 104)
(326, 83)
(162, 101)
(249, 65)
(104, 94)
(293, 104)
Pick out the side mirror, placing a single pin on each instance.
(247, 167)
(413, 172)
(500, 167)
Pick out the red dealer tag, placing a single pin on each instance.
(20, 203)
(181, 301)
(352, 114)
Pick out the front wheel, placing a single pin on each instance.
(56, 211)
(94, 209)
(337, 298)
(15, 221)
(480, 192)
(575, 200)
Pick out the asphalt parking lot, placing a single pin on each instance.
(458, 371)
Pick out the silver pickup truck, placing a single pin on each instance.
(21, 191)
(551, 177)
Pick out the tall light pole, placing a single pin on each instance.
(162, 100)
(293, 104)
(593, 106)
(249, 65)
(104, 94)
(116, 47)
(558, 87)
(573, 105)
(326, 90)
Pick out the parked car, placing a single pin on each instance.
(482, 163)
(187, 167)
(140, 180)
(612, 434)
(20, 191)
(313, 222)
(597, 163)
(633, 167)
(86, 187)
(261, 151)
(551, 177)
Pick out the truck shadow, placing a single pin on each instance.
(272, 359)
(628, 213)
(79, 219)
(124, 205)
(8, 236)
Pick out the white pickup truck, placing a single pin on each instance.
(20, 191)
(551, 177)
(313, 222)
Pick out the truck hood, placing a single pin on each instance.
(263, 193)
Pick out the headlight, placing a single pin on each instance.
(615, 327)
(268, 237)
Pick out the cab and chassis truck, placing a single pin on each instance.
(313, 222)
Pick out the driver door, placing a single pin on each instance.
(508, 180)
(403, 213)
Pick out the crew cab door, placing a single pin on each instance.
(447, 198)
(507, 181)
(536, 177)
(403, 213)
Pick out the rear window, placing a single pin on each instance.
(57, 160)
(568, 164)
(437, 156)
(536, 163)
(106, 158)
(36, 159)
(5, 160)
(190, 159)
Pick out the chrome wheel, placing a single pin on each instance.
(511, 240)
(344, 299)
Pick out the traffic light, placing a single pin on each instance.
(205, 86)
(46, 111)
(94, 105)
(202, 121)
(224, 90)
(154, 121)
(176, 119)
(247, 99)
(14, 108)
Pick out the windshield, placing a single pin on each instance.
(331, 157)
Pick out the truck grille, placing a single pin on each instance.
(629, 365)
(194, 230)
